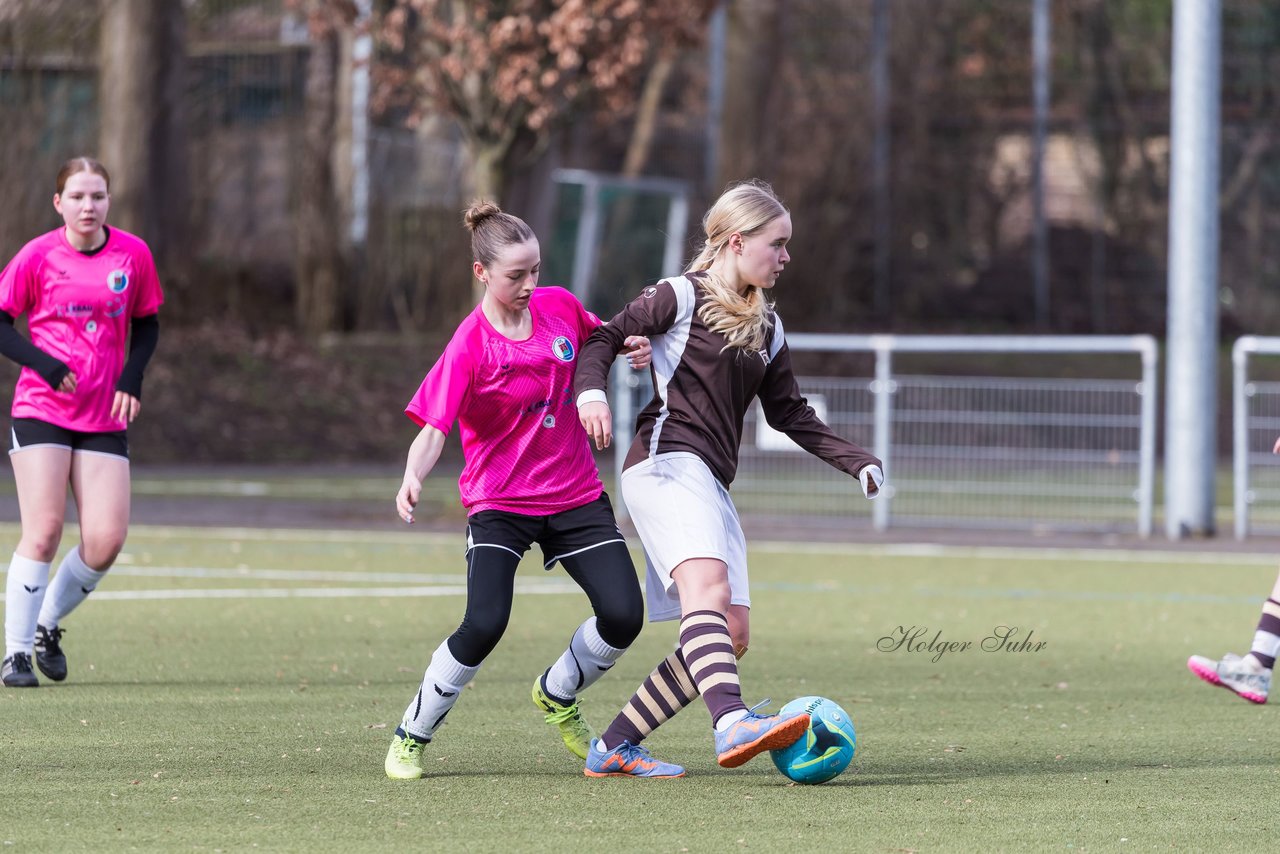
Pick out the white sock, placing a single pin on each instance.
(24, 591)
(72, 584)
(729, 719)
(582, 664)
(444, 680)
(1252, 661)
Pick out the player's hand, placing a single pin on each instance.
(639, 352)
(597, 420)
(68, 384)
(407, 497)
(871, 478)
(125, 407)
(1275, 449)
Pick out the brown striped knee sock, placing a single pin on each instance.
(708, 652)
(1266, 641)
(668, 689)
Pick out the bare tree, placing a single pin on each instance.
(319, 263)
(32, 31)
(502, 69)
(142, 137)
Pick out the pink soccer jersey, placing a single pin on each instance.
(525, 450)
(78, 310)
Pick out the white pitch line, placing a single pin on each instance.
(250, 574)
(427, 538)
(409, 536)
(288, 535)
(1019, 552)
(315, 592)
(1023, 553)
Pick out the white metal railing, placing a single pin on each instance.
(959, 451)
(1255, 423)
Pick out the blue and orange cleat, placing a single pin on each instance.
(755, 734)
(627, 760)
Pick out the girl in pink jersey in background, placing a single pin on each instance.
(506, 377)
(86, 289)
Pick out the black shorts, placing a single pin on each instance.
(34, 433)
(559, 535)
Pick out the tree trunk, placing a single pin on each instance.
(318, 260)
(752, 56)
(646, 124)
(486, 183)
(486, 170)
(620, 221)
(142, 141)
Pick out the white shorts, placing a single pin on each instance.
(681, 512)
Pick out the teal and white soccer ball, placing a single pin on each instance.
(825, 749)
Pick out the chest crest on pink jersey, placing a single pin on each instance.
(562, 349)
(117, 281)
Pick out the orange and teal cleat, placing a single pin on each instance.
(627, 760)
(755, 734)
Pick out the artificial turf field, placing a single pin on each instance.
(237, 690)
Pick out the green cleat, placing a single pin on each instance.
(404, 757)
(575, 731)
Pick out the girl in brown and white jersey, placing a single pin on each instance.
(718, 345)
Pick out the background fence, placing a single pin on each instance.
(1039, 453)
(1255, 406)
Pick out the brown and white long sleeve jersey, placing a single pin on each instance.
(701, 390)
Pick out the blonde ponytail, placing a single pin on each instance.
(743, 320)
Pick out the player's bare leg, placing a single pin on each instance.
(41, 475)
(101, 485)
(708, 648)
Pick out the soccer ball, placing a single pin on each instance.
(825, 749)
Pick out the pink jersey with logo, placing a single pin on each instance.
(78, 310)
(525, 450)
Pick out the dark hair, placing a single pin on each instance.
(76, 165)
(492, 230)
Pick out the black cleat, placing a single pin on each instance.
(49, 657)
(16, 671)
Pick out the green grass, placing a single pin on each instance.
(235, 721)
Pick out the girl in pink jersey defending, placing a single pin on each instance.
(506, 378)
(86, 289)
(717, 346)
